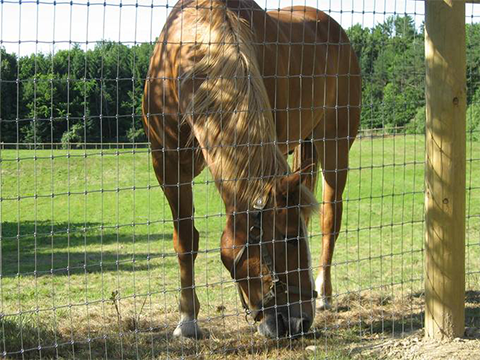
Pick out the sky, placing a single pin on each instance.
(58, 24)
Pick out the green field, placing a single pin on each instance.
(88, 267)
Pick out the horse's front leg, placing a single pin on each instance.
(175, 179)
(185, 239)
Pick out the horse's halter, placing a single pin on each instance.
(276, 285)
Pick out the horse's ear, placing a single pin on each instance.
(292, 181)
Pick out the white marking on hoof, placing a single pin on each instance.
(323, 303)
(319, 283)
(188, 328)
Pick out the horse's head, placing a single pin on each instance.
(267, 253)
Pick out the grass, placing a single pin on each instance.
(89, 270)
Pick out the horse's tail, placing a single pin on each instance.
(230, 108)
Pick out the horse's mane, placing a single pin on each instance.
(230, 111)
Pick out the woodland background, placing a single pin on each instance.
(76, 96)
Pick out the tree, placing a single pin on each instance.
(96, 95)
(8, 92)
(473, 117)
(473, 60)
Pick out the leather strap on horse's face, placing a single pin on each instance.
(276, 285)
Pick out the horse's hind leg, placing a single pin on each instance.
(306, 155)
(175, 179)
(333, 152)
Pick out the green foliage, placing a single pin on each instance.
(8, 96)
(48, 97)
(473, 117)
(400, 107)
(473, 60)
(392, 60)
(74, 95)
(136, 135)
(77, 134)
(417, 124)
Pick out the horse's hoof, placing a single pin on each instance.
(323, 304)
(188, 329)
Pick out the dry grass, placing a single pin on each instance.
(356, 326)
(361, 325)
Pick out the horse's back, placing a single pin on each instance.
(316, 72)
(305, 57)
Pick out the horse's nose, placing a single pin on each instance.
(278, 324)
(272, 326)
(298, 325)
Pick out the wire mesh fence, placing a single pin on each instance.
(89, 268)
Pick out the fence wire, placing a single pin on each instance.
(88, 264)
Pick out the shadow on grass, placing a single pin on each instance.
(45, 231)
(472, 312)
(83, 248)
(25, 339)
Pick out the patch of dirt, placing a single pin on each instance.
(413, 345)
(417, 347)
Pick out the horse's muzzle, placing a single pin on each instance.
(278, 324)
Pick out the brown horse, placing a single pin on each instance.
(237, 89)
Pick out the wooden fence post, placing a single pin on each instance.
(445, 173)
